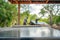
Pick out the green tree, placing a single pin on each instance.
(26, 13)
(8, 14)
(23, 16)
(51, 9)
(56, 19)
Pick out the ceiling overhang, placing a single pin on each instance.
(33, 1)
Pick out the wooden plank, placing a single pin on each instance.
(26, 2)
(29, 3)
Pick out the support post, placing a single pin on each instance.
(47, 1)
(18, 14)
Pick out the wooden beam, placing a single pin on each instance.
(30, 1)
(56, 1)
(18, 14)
(35, 2)
(47, 1)
(26, 2)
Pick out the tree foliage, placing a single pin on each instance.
(53, 12)
(8, 14)
(27, 14)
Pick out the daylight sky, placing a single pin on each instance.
(6, 0)
(35, 9)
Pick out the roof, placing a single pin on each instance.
(33, 1)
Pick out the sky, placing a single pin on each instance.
(35, 9)
(6, 0)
